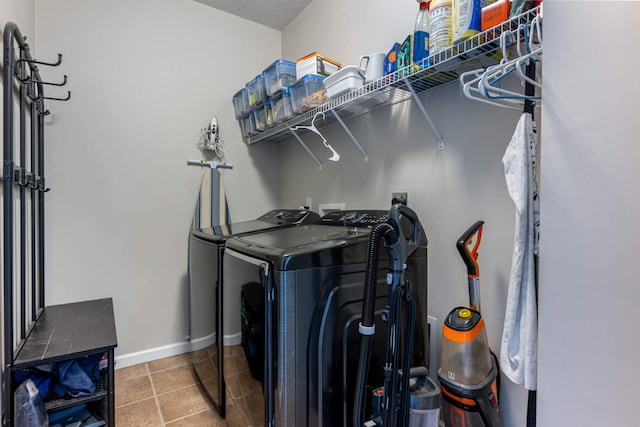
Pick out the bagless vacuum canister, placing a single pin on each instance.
(468, 372)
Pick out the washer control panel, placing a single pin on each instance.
(361, 218)
(288, 216)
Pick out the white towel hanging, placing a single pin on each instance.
(519, 348)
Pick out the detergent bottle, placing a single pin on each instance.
(421, 35)
(440, 34)
(466, 19)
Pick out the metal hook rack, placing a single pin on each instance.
(24, 186)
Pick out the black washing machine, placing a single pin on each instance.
(312, 279)
(208, 322)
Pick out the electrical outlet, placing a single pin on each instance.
(399, 198)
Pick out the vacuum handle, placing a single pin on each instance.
(399, 210)
(470, 254)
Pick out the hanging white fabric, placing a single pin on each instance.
(519, 349)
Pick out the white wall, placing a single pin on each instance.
(145, 77)
(371, 26)
(21, 12)
(590, 207)
(449, 189)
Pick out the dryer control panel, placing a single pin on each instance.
(362, 218)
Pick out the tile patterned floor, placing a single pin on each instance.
(164, 393)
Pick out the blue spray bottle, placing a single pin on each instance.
(421, 36)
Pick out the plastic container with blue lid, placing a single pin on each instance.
(307, 93)
(279, 75)
(241, 103)
(281, 106)
(263, 116)
(248, 125)
(256, 92)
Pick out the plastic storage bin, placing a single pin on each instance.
(307, 93)
(281, 106)
(256, 92)
(241, 103)
(248, 125)
(263, 116)
(279, 75)
(318, 64)
(343, 81)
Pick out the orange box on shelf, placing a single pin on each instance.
(317, 64)
(496, 13)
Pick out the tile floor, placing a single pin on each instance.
(164, 393)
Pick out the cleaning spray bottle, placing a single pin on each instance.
(440, 34)
(466, 19)
(421, 35)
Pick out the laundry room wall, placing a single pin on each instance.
(449, 189)
(590, 206)
(145, 76)
(21, 12)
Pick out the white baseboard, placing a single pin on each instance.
(144, 356)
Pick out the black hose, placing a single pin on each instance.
(387, 232)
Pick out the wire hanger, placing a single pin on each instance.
(483, 84)
(335, 156)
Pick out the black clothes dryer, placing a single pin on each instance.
(207, 296)
(312, 280)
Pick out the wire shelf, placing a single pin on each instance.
(437, 70)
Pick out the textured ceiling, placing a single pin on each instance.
(272, 13)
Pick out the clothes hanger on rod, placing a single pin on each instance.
(484, 84)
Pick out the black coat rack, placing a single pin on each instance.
(24, 187)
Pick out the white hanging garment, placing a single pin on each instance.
(519, 348)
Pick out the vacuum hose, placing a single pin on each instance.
(390, 235)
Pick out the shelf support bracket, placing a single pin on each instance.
(306, 148)
(425, 114)
(353, 138)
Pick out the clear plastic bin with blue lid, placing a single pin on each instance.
(279, 75)
(263, 116)
(281, 106)
(241, 103)
(307, 93)
(248, 125)
(256, 92)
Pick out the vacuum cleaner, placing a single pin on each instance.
(408, 396)
(468, 371)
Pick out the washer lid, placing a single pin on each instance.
(307, 246)
(273, 219)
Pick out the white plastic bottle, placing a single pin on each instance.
(421, 35)
(440, 33)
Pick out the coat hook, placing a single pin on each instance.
(59, 99)
(39, 107)
(18, 71)
(64, 82)
(50, 64)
